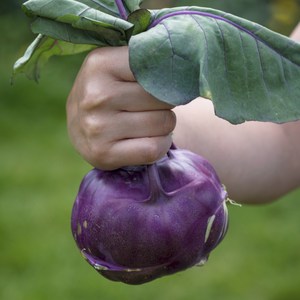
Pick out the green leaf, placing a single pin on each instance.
(106, 6)
(65, 32)
(39, 52)
(74, 26)
(101, 36)
(141, 19)
(77, 14)
(248, 71)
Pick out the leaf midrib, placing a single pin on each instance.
(205, 14)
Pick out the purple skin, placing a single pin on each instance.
(135, 225)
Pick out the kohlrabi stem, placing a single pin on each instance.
(169, 153)
(154, 183)
(122, 9)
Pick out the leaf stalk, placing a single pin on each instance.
(122, 9)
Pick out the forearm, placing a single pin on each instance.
(258, 162)
(255, 161)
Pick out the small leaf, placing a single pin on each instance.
(76, 14)
(248, 71)
(65, 32)
(141, 19)
(38, 53)
(106, 6)
(72, 27)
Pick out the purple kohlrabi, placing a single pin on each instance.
(137, 224)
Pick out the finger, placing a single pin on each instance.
(121, 81)
(126, 125)
(130, 96)
(143, 124)
(113, 83)
(115, 60)
(121, 70)
(112, 95)
(133, 152)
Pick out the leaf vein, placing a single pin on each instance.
(224, 46)
(101, 5)
(83, 11)
(225, 58)
(224, 19)
(245, 64)
(172, 49)
(205, 65)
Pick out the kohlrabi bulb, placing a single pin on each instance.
(137, 224)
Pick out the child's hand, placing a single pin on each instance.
(112, 121)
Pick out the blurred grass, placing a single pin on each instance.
(39, 177)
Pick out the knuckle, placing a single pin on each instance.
(88, 100)
(98, 59)
(96, 96)
(106, 97)
(93, 58)
(91, 126)
(97, 91)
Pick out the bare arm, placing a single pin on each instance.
(258, 162)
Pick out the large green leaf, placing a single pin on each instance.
(248, 71)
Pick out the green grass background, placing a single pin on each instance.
(39, 177)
